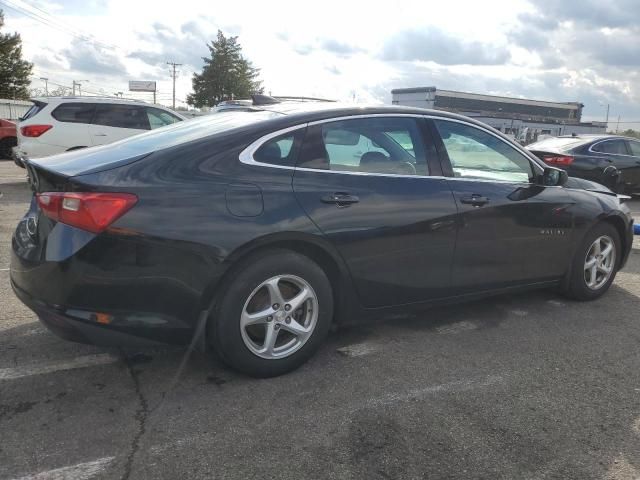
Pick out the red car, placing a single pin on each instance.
(7, 138)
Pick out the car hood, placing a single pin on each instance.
(582, 184)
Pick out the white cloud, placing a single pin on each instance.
(348, 50)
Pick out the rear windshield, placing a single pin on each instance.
(557, 143)
(77, 161)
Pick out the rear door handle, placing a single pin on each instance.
(475, 200)
(340, 199)
(99, 134)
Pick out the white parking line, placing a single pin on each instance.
(457, 327)
(357, 349)
(4, 269)
(420, 393)
(78, 362)
(81, 471)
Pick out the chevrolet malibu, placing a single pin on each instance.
(266, 226)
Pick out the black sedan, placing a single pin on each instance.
(610, 160)
(264, 227)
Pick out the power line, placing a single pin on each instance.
(52, 22)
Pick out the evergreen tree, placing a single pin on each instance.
(14, 71)
(225, 75)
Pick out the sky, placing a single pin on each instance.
(348, 50)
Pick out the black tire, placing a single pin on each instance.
(6, 145)
(224, 330)
(576, 287)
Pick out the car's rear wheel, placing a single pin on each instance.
(6, 144)
(595, 263)
(274, 315)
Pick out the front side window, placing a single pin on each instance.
(74, 112)
(474, 153)
(121, 116)
(159, 118)
(280, 150)
(368, 145)
(635, 148)
(615, 147)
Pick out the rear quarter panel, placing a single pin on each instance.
(172, 247)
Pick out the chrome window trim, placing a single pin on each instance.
(611, 140)
(246, 156)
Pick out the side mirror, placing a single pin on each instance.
(554, 177)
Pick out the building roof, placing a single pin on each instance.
(497, 98)
(414, 90)
(488, 98)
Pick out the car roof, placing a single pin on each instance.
(92, 99)
(314, 111)
(596, 136)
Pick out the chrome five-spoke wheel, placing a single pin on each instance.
(600, 262)
(279, 316)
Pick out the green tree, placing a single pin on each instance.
(631, 133)
(226, 74)
(14, 71)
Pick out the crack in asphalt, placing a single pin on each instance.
(141, 417)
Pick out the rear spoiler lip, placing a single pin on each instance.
(97, 169)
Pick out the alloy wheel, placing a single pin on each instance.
(279, 316)
(599, 262)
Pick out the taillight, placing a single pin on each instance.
(89, 211)
(562, 160)
(34, 130)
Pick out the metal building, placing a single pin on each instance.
(521, 118)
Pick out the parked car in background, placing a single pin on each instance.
(610, 160)
(59, 124)
(268, 225)
(8, 138)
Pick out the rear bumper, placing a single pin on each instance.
(628, 241)
(62, 323)
(17, 159)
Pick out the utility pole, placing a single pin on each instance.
(46, 86)
(79, 85)
(173, 75)
(607, 117)
(618, 125)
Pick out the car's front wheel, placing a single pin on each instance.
(274, 315)
(595, 263)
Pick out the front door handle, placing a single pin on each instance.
(475, 200)
(340, 199)
(99, 134)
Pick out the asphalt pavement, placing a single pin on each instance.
(530, 386)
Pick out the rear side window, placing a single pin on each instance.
(368, 145)
(33, 111)
(121, 116)
(159, 118)
(280, 150)
(74, 112)
(611, 146)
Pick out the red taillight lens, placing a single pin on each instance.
(34, 130)
(562, 160)
(93, 212)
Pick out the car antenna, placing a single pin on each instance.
(259, 99)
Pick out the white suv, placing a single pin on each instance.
(58, 124)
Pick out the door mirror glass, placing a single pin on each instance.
(554, 177)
